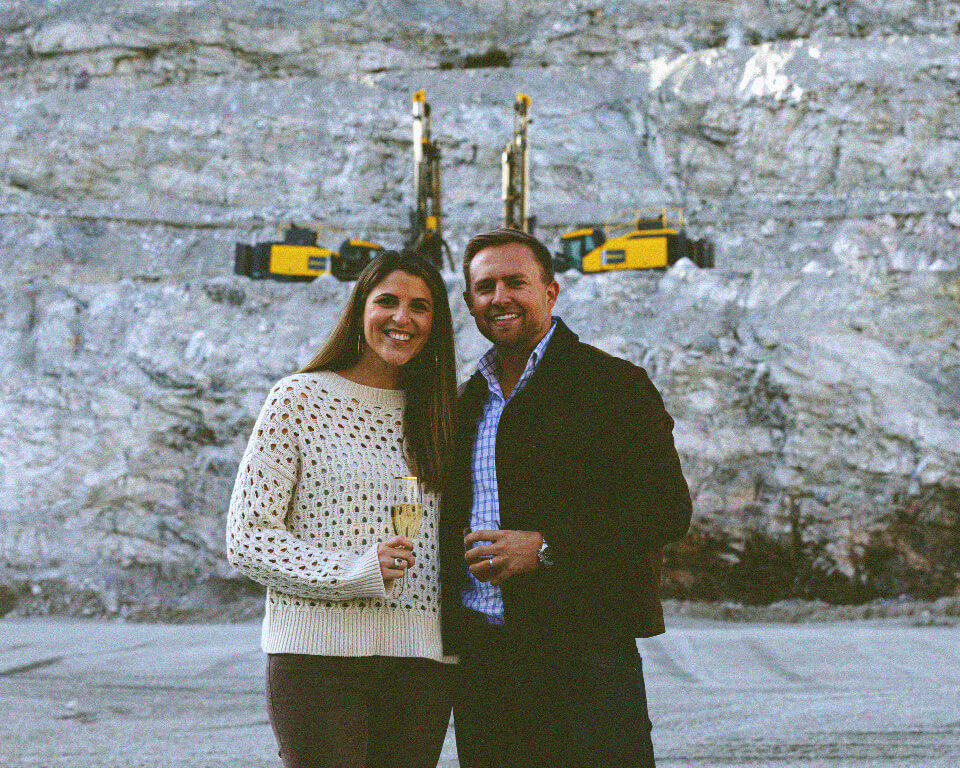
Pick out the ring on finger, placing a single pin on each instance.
(398, 562)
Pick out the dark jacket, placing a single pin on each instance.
(585, 456)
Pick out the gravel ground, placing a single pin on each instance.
(853, 694)
(942, 612)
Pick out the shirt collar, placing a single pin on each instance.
(489, 365)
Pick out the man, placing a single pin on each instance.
(564, 486)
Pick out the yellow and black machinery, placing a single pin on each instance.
(298, 258)
(515, 170)
(426, 217)
(353, 256)
(652, 240)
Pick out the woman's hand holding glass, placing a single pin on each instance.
(406, 512)
(395, 556)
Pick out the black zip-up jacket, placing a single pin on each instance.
(585, 456)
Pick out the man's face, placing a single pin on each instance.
(508, 298)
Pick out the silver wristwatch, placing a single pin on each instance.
(545, 555)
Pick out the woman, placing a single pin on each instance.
(355, 673)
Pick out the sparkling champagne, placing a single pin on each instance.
(406, 519)
(406, 512)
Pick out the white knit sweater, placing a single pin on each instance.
(311, 503)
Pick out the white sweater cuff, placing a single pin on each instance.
(365, 575)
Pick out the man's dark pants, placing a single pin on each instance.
(520, 707)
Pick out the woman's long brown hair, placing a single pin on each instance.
(429, 379)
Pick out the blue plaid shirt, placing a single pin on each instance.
(485, 512)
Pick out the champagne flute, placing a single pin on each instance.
(406, 512)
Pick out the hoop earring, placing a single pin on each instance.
(359, 346)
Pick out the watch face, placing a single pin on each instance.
(545, 556)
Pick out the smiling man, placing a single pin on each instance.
(564, 486)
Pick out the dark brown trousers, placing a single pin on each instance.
(358, 712)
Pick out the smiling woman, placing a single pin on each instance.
(427, 378)
(310, 519)
(397, 319)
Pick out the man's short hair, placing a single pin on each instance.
(505, 236)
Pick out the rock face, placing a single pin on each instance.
(814, 375)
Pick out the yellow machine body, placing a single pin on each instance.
(358, 243)
(299, 260)
(640, 249)
(653, 240)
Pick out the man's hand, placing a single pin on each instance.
(509, 553)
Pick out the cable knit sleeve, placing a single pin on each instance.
(259, 541)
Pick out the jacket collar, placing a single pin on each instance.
(549, 368)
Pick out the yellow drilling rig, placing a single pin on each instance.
(298, 257)
(426, 217)
(515, 170)
(651, 239)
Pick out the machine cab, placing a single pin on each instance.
(576, 245)
(353, 256)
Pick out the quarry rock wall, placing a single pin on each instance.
(814, 374)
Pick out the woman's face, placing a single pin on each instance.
(397, 319)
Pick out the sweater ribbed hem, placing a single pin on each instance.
(338, 631)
